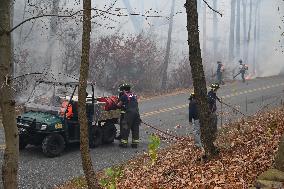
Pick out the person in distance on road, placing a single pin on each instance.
(219, 72)
(130, 117)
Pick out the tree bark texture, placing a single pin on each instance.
(7, 103)
(197, 71)
(84, 69)
(232, 31)
(204, 32)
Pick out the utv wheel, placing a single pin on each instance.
(109, 133)
(96, 137)
(53, 145)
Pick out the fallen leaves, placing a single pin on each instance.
(247, 149)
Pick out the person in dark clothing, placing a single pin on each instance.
(130, 117)
(219, 72)
(242, 70)
(194, 119)
(212, 98)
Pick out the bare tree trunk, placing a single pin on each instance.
(238, 29)
(168, 48)
(245, 53)
(255, 38)
(197, 71)
(249, 29)
(84, 127)
(215, 31)
(7, 103)
(53, 46)
(204, 34)
(232, 32)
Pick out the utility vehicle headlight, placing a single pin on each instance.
(43, 127)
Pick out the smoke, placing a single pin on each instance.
(33, 37)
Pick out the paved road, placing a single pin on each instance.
(165, 112)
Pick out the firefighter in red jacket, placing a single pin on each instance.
(69, 112)
(130, 117)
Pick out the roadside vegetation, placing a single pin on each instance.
(248, 148)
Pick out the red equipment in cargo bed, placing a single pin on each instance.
(111, 102)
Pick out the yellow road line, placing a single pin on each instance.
(227, 96)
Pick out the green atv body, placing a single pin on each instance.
(45, 128)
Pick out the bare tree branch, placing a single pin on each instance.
(94, 9)
(212, 8)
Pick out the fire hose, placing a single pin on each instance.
(161, 131)
(232, 107)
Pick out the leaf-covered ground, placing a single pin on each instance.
(247, 148)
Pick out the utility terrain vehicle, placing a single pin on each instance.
(41, 124)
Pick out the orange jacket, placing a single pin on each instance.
(69, 113)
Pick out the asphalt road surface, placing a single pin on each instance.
(165, 112)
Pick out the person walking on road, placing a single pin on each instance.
(242, 70)
(219, 73)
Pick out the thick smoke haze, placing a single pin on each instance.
(34, 37)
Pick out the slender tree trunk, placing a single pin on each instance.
(258, 37)
(7, 103)
(168, 48)
(53, 46)
(255, 38)
(215, 31)
(238, 29)
(84, 69)
(204, 32)
(249, 29)
(197, 71)
(245, 53)
(232, 32)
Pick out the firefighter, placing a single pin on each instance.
(212, 98)
(194, 120)
(219, 72)
(69, 111)
(242, 70)
(130, 117)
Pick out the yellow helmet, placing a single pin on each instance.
(191, 96)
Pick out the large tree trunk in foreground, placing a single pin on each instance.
(84, 69)
(204, 33)
(197, 71)
(7, 103)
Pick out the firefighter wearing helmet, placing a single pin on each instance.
(242, 70)
(130, 117)
(212, 98)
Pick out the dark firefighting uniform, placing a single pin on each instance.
(212, 97)
(130, 118)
